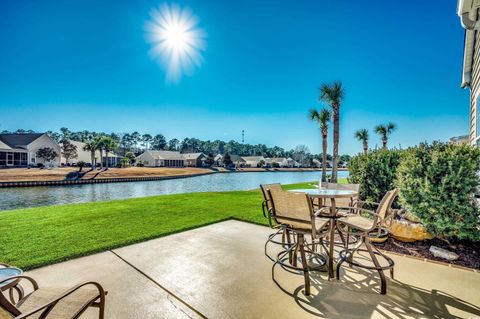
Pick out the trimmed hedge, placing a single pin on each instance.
(437, 184)
(375, 172)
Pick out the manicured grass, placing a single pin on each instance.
(35, 237)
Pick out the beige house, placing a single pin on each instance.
(84, 156)
(20, 150)
(152, 158)
(194, 159)
(253, 161)
(469, 18)
(277, 161)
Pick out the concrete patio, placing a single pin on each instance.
(220, 271)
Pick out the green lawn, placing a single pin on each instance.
(35, 237)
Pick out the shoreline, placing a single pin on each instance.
(166, 175)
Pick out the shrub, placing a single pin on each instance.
(437, 184)
(140, 164)
(375, 172)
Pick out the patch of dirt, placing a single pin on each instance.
(60, 173)
(469, 252)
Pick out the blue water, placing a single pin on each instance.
(12, 198)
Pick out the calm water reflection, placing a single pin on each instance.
(11, 198)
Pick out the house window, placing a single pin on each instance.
(3, 158)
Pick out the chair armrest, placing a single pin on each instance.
(360, 203)
(321, 210)
(264, 204)
(50, 304)
(30, 279)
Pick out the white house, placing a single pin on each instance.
(277, 161)
(253, 161)
(84, 156)
(20, 150)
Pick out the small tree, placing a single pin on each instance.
(261, 163)
(323, 119)
(81, 165)
(384, 131)
(48, 154)
(362, 136)
(125, 162)
(69, 150)
(130, 156)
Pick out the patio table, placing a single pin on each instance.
(330, 194)
(11, 284)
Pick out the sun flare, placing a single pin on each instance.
(176, 40)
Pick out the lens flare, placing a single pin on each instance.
(176, 40)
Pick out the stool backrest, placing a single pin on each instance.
(386, 203)
(293, 209)
(266, 196)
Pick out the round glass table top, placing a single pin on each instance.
(324, 192)
(8, 272)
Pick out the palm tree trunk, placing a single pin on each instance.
(324, 157)
(365, 148)
(92, 158)
(106, 158)
(101, 158)
(384, 141)
(336, 130)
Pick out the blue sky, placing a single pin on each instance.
(86, 65)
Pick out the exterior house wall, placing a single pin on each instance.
(147, 159)
(475, 93)
(42, 142)
(85, 155)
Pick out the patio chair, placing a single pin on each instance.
(361, 227)
(295, 211)
(281, 229)
(53, 302)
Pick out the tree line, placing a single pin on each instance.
(131, 144)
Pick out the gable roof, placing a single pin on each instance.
(19, 140)
(253, 158)
(166, 155)
(192, 155)
(236, 159)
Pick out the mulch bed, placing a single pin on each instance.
(469, 252)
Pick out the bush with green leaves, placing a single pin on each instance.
(375, 172)
(437, 184)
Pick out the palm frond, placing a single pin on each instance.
(362, 135)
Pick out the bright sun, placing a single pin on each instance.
(176, 40)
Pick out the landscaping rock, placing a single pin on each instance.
(443, 253)
(407, 231)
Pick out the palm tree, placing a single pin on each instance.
(362, 136)
(384, 130)
(332, 94)
(92, 147)
(98, 141)
(322, 118)
(109, 144)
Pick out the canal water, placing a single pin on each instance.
(22, 197)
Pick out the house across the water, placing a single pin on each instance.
(152, 158)
(85, 156)
(20, 150)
